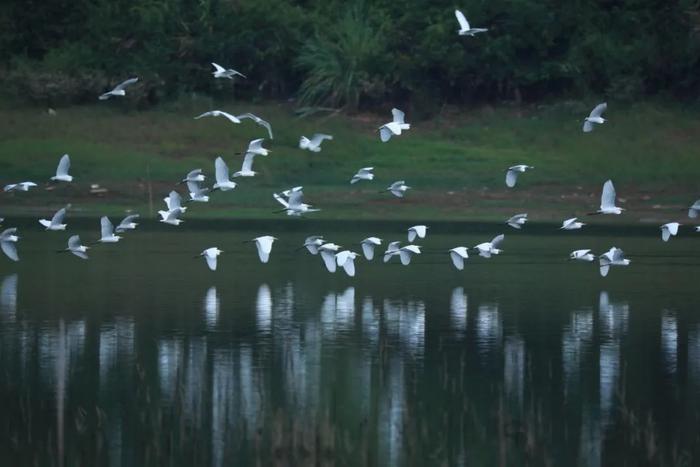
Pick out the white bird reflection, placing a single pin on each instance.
(613, 317)
(370, 321)
(116, 345)
(576, 339)
(694, 357)
(195, 374)
(514, 370)
(338, 311)
(489, 328)
(212, 305)
(609, 375)
(391, 410)
(406, 320)
(263, 309)
(72, 340)
(169, 362)
(458, 309)
(8, 298)
(669, 341)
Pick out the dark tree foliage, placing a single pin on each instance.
(355, 54)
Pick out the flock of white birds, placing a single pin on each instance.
(291, 200)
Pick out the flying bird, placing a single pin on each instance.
(669, 230)
(582, 255)
(458, 255)
(119, 89)
(228, 73)
(210, 255)
(392, 249)
(294, 205)
(394, 127)
(219, 113)
(107, 231)
(607, 200)
(513, 172)
(171, 216)
(487, 249)
(75, 247)
(614, 257)
(464, 28)
(364, 173)
(694, 210)
(197, 193)
(417, 231)
(313, 144)
(174, 201)
(62, 170)
(8, 240)
(517, 221)
(368, 245)
(346, 260)
(247, 166)
(127, 223)
(313, 243)
(56, 222)
(328, 251)
(398, 189)
(21, 186)
(571, 224)
(256, 147)
(221, 174)
(257, 120)
(264, 246)
(594, 117)
(406, 253)
(195, 175)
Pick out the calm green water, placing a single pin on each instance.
(142, 356)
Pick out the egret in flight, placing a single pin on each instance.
(582, 255)
(8, 241)
(328, 251)
(513, 172)
(607, 201)
(313, 144)
(195, 175)
(398, 189)
(219, 113)
(417, 231)
(197, 192)
(257, 120)
(313, 243)
(693, 210)
(264, 246)
(365, 173)
(221, 172)
(458, 255)
(487, 249)
(669, 230)
(294, 205)
(613, 257)
(368, 245)
(171, 216)
(594, 117)
(119, 89)
(228, 73)
(56, 222)
(394, 127)
(75, 247)
(256, 147)
(391, 250)
(21, 186)
(127, 223)
(464, 28)
(107, 231)
(346, 260)
(517, 221)
(571, 224)
(210, 255)
(62, 170)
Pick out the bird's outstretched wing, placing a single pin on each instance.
(74, 242)
(259, 121)
(264, 245)
(398, 115)
(511, 178)
(58, 217)
(318, 138)
(211, 261)
(598, 110)
(607, 199)
(496, 242)
(255, 145)
(385, 134)
(106, 227)
(221, 172)
(63, 166)
(9, 249)
(462, 20)
(121, 86)
(248, 162)
(218, 68)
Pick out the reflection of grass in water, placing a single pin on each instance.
(456, 164)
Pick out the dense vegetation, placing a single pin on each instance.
(352, 53)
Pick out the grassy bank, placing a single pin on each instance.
(455, 162)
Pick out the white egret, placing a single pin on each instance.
(247, 166)
(487, 249)
(694, 210)
(75, 247)
(346, 260)
(594, 117)
(398, 189)
(464, 28)
(107, 231)
(614, 257)
(257, 120)
(394, 127)
(458, 255)
(407, 252)
(255, 146)
(171, 216)
(174, 201)
(571, 224)
(127, 223)
(368, 245)
(391, 250)
(210, 255)
(56, 222)
(195, 175)
(607, 201)
(197, 193)
(669, 230)
(228, 73)
(365, 173)
(21, 186)
(313, 144)
(517, 221)
(219, 113)
(328, 251)
(513, 172)
(62, 170)
(221, 173)
(417, 231)
(8, 240)
(582, 255)
(294, 205)
(119, 89)
(313, 243)
(264, 246)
